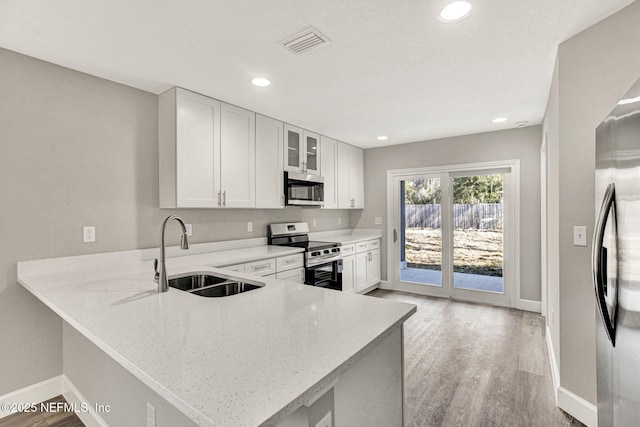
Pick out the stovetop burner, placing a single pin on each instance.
(310, 245)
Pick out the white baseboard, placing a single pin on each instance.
(384, 285)
(555, 370)
(48, 389)
(529, 305)
(574, 405)
(34, 393)
(577, 407)
(90, 418)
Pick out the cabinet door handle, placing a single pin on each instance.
(219, 202)
(224, 198)
(370, 256)
(353, 203)
(395, 236)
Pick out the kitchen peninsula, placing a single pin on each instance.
(285, 354)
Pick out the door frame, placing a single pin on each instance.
(514, 240)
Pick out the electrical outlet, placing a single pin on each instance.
(339, 221)
(325, 421)
(378, 220)
(313, 221)
(189, 228)
(579, 235)
(89, 234)
(249, 226)
(151, 415)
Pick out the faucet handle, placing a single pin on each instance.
(156, 277)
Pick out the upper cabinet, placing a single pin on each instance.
(301, 150)
(206, 152)
(350, 177)
(329, 171)
(217, 155)
(189, 137)
(237, 157)
(269, 163)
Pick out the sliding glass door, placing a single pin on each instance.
(421, 230)
(451, 231)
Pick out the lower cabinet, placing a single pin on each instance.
(289, 268)
(367, 264)
(349, 273)
(296, 275)
(361, 271)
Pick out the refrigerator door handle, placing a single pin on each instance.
(599, 263)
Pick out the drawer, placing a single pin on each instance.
(261, 268)
(361, 247)
(348, 250)
(237, 267)
(373, 244)
(289, 262)
(295, 275)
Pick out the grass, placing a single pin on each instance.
(474, 251)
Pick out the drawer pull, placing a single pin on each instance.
(260, 267)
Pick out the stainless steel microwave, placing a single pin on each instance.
(303, 189)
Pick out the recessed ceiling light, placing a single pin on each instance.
(382, 138)
(261, 82)
(499, 120)
(455, 11)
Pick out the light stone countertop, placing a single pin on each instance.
(270, 349)
(347, 237)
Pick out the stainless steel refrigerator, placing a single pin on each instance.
(616, 263)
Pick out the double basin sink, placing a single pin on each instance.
(209, 285)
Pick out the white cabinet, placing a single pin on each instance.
(206, 152)
(301, 150)
(349, 273)
(237, 267)
(289, 262)
(263, 267)
(350, 177)
(373, 267)
(329, 171)
(237, 157)
(269, 166)
(362, 260)
(367, 264)
(296, 275)
(189, 141)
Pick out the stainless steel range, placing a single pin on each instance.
(322, 260)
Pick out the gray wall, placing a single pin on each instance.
(78, 150)
(523, 144)
(594, 69)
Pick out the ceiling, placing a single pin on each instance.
(391, 68)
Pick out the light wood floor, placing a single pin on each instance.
(43, 419)
(476, 365)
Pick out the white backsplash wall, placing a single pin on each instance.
(82, 151)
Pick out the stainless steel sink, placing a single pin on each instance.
(209, 285)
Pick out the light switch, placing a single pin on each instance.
(579, 235)
(378, 220)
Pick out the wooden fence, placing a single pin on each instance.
(481, 216)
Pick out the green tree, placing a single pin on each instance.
(422, 191)
(477, 189)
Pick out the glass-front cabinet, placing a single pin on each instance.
(302, 150)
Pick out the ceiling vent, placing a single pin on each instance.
(304, 41)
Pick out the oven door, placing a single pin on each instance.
(326, 275)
